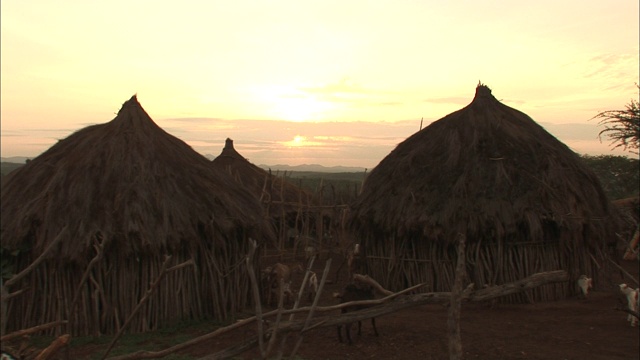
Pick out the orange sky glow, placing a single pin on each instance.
(325, 82)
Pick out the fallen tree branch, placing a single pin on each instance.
(530, 282)
(398, 304)
(370, 281)
(53, 348)
(35, 329)
(624, 271)
(628, 311)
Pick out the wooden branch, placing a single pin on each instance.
(15, 278)
(272, 339)
(453, 321)
(152, 288)
(530, 282)
(624, 271)
(53, 348)
(313, 308)
(253, 245)
(35, 329)
(398, 304)
(99, 252)
(13, 294)
(628, 311)
(370, 281)
(303, 286)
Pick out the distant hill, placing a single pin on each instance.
(306, 167)
(313, 168)
(12, 163)
(16, 159)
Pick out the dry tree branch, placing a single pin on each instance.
(253, 245)
(297, 302)
(624, 271)
(313, 308)
(99, 247)
(53, 348)
(453, 321)
(15, 278)
(4, 286)
(408, 301)
(35, 329)
(152, 288)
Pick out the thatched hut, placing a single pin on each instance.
(141, 194)
(524, 202)
(289, 207)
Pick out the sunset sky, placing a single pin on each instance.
(325, 82)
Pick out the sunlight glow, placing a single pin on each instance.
(285, 102)
(298, 141)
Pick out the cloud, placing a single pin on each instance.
(271, 142)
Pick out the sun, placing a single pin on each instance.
(298, 141)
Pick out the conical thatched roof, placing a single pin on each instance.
(128, 180)
(488, 171)
(259, 181)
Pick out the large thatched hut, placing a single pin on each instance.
(523, 200)
(141, 194)
(289, 207)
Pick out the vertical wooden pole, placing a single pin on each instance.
(455, 343)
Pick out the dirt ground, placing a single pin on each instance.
(568, 329)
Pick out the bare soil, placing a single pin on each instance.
(568, 329)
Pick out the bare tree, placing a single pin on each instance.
(622, 127)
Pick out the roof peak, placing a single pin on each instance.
(228, 144)
(482, 90)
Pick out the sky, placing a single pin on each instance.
(311, 82)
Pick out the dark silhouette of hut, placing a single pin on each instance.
(522, 199)
(141, 194)
(288, 206)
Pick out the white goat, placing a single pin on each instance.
(585, 284)
(310, 251)
(312, 285)
(274, 276)
(632, 302)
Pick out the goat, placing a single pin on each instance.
(7, 356)
(632, 302)
(310, 251)
(312, 285)
(352, 292)
(585, 284)
(274, 275)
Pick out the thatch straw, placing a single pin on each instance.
(270, 188)
(487, 170)
(142, 193)
(289, 207)
(523, 199)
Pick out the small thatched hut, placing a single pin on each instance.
(523, 200)
(287, 205)
(271, 189)
(142, 194)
